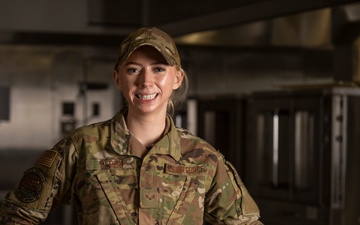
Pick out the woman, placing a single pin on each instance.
(136, 168)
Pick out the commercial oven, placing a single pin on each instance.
(220, 121)
(302, 155)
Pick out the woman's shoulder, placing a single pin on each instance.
(90, 131)
(193, 141)
(186, 134)
(87, 134)
(93, 127)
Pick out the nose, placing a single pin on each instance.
(145, 79)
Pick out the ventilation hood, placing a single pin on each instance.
(314, 29)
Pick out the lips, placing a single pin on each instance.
(146, 97)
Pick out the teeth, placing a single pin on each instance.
(147, 97)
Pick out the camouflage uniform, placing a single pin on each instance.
(114, 179)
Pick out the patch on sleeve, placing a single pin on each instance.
(30, 185)
(47, 158)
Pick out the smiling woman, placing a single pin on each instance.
(147, 80)
(136, 168)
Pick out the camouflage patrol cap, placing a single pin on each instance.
(154, 37)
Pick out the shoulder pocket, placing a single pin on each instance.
(37, 183)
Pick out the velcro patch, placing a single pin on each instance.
(184, 170)
(149, 198)
(47, 158)
(30, 185)
(111, 164)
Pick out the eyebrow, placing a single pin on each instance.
(154, 63)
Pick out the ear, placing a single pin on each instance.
(117, 79)
(179, 77)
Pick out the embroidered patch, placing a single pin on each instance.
(30, 185)
(47, 158)
(111, 164)
(185, 170)
(149, 198)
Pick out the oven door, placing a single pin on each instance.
(284, 148)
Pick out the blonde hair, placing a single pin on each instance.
(178, 95)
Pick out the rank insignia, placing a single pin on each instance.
(149, 198)
(30, 185)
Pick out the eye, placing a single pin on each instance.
(159, 69)
(132, 70)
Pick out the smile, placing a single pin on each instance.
(146, 97)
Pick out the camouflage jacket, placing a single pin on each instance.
(114, 179)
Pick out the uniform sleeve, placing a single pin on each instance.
(42, 187)
(228, 201)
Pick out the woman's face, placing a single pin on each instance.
(147, 81)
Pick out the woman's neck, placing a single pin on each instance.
(147, 129)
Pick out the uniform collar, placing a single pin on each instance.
(121, 139)
(120, 134)
(170, 143)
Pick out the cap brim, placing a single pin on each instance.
(167, 57)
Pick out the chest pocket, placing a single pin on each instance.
(183, 192)
(118, 179)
